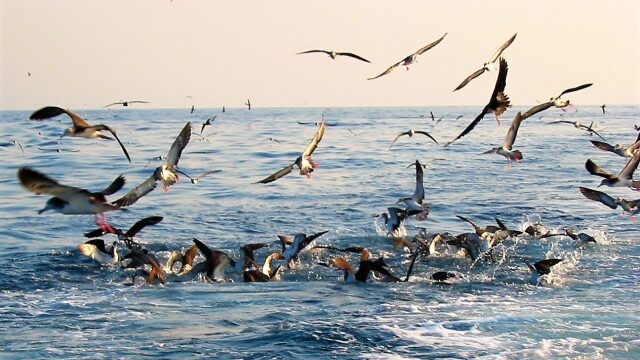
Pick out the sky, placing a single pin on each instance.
(86, 54)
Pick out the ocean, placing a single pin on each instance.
(56, 303)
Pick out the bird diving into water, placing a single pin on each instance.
(487, 66)
(303, 162)
(334, 54)
(410, 59)
(80, 128)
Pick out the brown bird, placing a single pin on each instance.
(498, 103)
(80, 128)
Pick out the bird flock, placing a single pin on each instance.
(215, 265)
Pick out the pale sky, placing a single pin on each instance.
(85, 54)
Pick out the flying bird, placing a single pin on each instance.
(410, 59)
(580, 126)
(487, 66)
(208, 122)
(624, 179)
(554, 101)
(80, 128)
(630, 206)
(506, 148)
(498, 102)
(127, 103)
(412, 132)
(619, 149)
(97, 250)
(70, 200)
(126, 237)
(333, 54)
(196, 179)
(303, 162)
(166, 173)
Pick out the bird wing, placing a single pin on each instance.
(498, 52)
(418, 193)
(277, 175)
(427, 135)
(388, 70)
(114, 103)
(138, 102)
(433, 118)
(353, 56)
(189, 255)
(563, 121)
(178, 145)
(474, 75)
(315, 140)
(114, 187)
(470, 126)
(312, 51)
(141, 224)
(498, 96)
(544, 266)
(599, 196)
(52, 111)
(113, 132)
(583, 86)
(308, 239)
(137, 192)
(424, 49)
(397, 137)
(632, 164)
(513, 132)
(206, 173)
(594, 169)
(635, 146)
(536, 109)
(603, 145)
(39, 183)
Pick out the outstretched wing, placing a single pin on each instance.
(580, 87)
(115, 186)
(173, 156)
(277, 175)
(603, 145)
(398, 137)
(48, 112)
(113, 132)
(141, 224)
(418, 193)
(599, 196)
(424, 49)
(536, 109)
(632, 165)
(594, 169)
(314, 51)
(544, 266)
(474, 75)
(137, 192)
(470, 126)
(513, 132)
(315, 140)
(388, 70)
(502, 48)
(427, 135)
(39, 183)
(353, 56)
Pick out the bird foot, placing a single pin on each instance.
(308, 175)
(508, 166)
(633, 219)
(497, 121)
(422, 216)
(165, 188)
(103, 225)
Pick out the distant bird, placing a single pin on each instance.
(224, 109)
(303, 162)
(602, 107)
(248, 103)
(442, 276)
(488, 65)
(296, 245)
(539, 269)
(28, 74)
(193, 108)
(619, 149)
(333, 54)
(630, 206)
(203, 137)
(554, 101)
(216, 261)
(80, 128)
(580, 126)
(506, 148)
(127, 103)
(271, 139)
(412, 132)
(196, 179)
(624, 179)
(97, 250)
(410, 59)
(208, 122)
(394, 218)
(316, 123)
(70, 200)
(166, 173)
(352, 132)
(126, 237)
(17, 143)
(498, 103)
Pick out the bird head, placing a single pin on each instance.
(53, 204)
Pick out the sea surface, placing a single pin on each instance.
(55, 303)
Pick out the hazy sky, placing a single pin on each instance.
(85, 54)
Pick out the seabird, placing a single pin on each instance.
(630, 206)
(602, 107)
(193, 108)
(196, 179)
(316, 123)
(248, 103)
(410, 59)
(498, 103)
(415, 203)
(487, 66)
(252, 272)
(624, 179)
(333, 54)
(582, 238)
(96, 250)
(166, 173)
(185, 260)
(297, 243)
(70, 200)
(140, 258)
(540, 268)
(208, 122)
(216, 261)
(506, 148)
(577, 125)
(126, 237)
(442, 276)
(80, 128)
(378, 267)
(393, 220)
(618, 148)
(271, 139)
(554, 101)
(412, 132)
(127, 103)
(303, 162)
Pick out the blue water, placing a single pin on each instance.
(54, 303)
